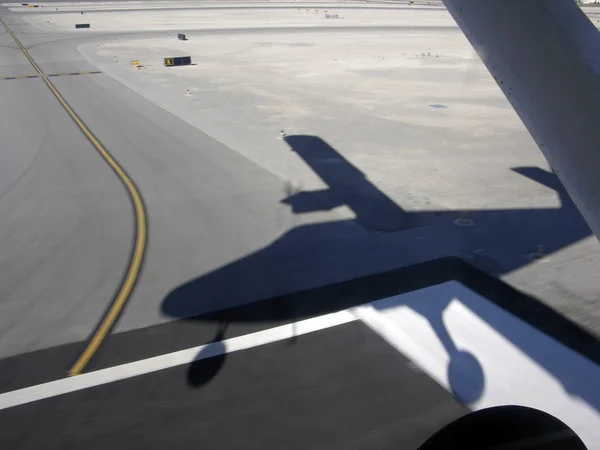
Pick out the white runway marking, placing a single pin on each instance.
(476, 350)
(134, 369)
(488, 357)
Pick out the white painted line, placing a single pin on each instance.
(488, 357)
(137, 368)
(479, 352)
(418, 351)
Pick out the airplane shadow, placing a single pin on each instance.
(317, 254)
(209, 361)
(316, 269)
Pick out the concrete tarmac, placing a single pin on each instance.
(208, 207)
(222, 231)
(66, 224)
(339, 388)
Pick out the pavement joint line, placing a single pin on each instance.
(134, 265)
(169, 360)
(23, 77)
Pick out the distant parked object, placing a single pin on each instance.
(180, 61)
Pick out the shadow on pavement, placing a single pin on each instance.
(327, 254)
(208, 361)
(465, 374)
(347, 186)
(500, 241)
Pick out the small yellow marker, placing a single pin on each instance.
(135, 63)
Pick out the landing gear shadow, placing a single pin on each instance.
(209, 361)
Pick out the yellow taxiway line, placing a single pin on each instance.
(135, 264)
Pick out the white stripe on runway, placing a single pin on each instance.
(476, 350)
(137, 368)
(488, 357)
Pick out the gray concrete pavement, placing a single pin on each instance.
(339, 388)
(207, 205)
(13, 62)
(225, 230)
(216, 221)
(66, 223)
